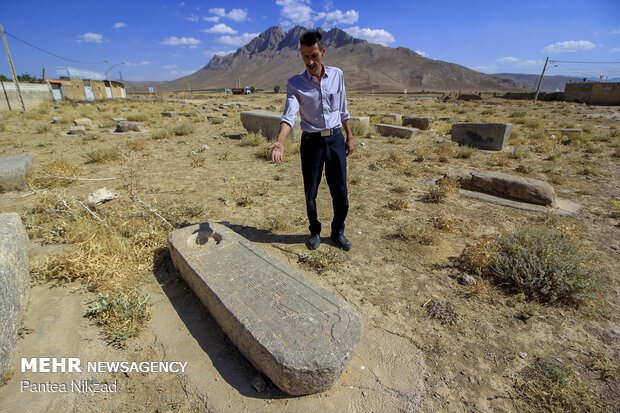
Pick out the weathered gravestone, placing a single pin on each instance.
(397, 131)
(85, 122)
(14, 284)
(298, 335)
(126, 126)
(13, 171)
(268, 124)
(486, 136)
(417, 122)
(169, 114)
(396, 117)
(77, 130)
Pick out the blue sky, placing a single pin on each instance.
(163, 40)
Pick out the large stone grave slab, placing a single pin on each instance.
(297, 334)
(397, 131)
(268, 124)
(13, 171)
(422, 123)
(14, 284)
(486, 136)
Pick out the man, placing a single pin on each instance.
(319, 94)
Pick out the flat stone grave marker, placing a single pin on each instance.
(268, 124)
(297, 334)
(396, 131)
(13, 171)
(485, 136)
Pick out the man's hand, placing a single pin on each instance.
(349, 146)
(277, 152)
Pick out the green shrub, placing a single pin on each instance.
(545, 265)
(120, 316)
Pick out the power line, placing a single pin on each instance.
(569, 61)
(53, 54)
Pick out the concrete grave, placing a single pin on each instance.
(516, 187)
(392, 116)
(417, 122)
(13, 171)
(397, 131)
(486, 136)
(359, 120)
(268, 124)
(169, 114)
(85, 122)
(14, 284)
(298, 335)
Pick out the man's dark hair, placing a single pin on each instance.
(310, 38)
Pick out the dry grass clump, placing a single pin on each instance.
(279, 225)
(42, 128)
(50, 173)
(465, 152)
(102, 155)
(397, 204)
(550, 385)
(418, 231)
(615, 205)
(161, 133)
(137, 145)
(441, 190)
(138, 117)
(545, 265)
(183, 129)
(178, 213)
(253, 139)
(360, 129)
(446, 222)
(319, 261)
(121, 316)
(443, 310)
(216, 120)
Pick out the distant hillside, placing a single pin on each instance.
(272, 57)
(549, 84)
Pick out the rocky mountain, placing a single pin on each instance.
(272, 57)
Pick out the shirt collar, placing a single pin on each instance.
(309, 76)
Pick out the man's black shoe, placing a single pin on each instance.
(313, 242)
(341, 242)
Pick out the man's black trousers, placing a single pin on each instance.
(317, 151)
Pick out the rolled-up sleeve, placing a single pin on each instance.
(291, 107)
(344, 112)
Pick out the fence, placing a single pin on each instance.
(34, 94)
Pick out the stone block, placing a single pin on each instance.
(85, 122)
(363, 121)
(169, 114)
(268, 124)
(128, 127)
(118, 120)
(77, 130)
(487, 136)
(397, 131)
(516, 187)
(417, 122)
(298, 335)
(392, 116)
(13, 171)
(14, 284)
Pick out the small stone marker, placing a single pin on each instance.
(101, 195)
(85, 122)
(571, 133)
(398, 118)
(14, 284)
(13, 171)
(56, 119)
(268, 124)
(417, 122)
(169, 114)
(486, 136)
(397, 131)
(77, 130)
(298, 335)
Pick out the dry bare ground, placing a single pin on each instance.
(430, 343)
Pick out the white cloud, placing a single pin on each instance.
(211, 53)
(491, 68)
(221, 29)
(378, 36)
(181, 72)
(142, 63)
(531, 63)
(421, 53)
(569, 46)
(299, 12)
(213, 19)
(616, 31)
(617, 49)
(168, 67)
(192, 18)
(91, 38)
(237, 15)
(181, 41)
(237, 40)
(119, 25)
(507, 59)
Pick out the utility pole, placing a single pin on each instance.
(43, 75)
(540, 80)
(8, 55)
(107, 69)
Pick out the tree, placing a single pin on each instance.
(252, 89)
(276, 88)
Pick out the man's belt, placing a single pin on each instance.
(324, 132)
